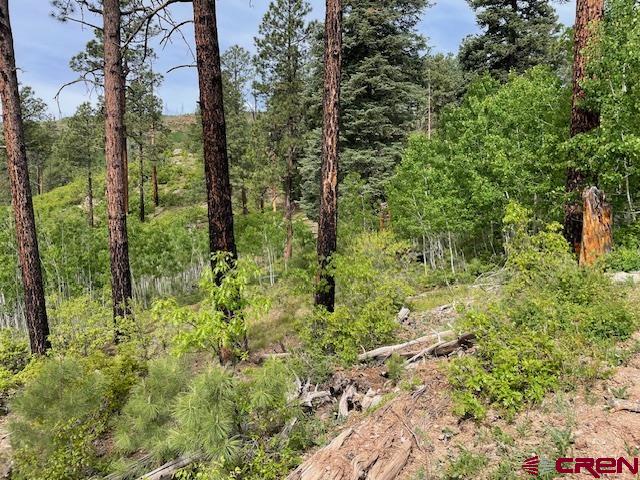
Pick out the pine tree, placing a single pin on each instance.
(237, 70)
(445, 83)
(383, 93)
(216, 161)
(280, 61)
(26, 237)
(144, 113)
(79, 144)
(328, 217)
(516, 35)
(39, 134)
(588, 14)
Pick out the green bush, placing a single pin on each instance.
(58, 416)
(552, 327)
(14, 350)
(370, 288)
(146, 418)
(623, 259)
(218, 324)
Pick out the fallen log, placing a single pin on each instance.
(376, 449)
(166, 471)
(442, 349)
(383, 353)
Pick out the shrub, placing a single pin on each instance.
(623, 259)
(370, 289)
(14, 350)
(205, 416)
(552, 326)
(219, 324)
(58, 416)
(146, 418)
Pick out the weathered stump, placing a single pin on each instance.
(597, 236)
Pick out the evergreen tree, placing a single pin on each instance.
(237, 70)
(39, 134)
(280, 61)
(143, 116)
(516, 35)
(383, 93)
(445, 84)
(25, 224)
(80, 144)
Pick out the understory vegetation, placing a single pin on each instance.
(452, 193)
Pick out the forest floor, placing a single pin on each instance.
(414, 434)
(5, 449)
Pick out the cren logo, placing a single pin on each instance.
(532, 465)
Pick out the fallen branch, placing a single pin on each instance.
(618, 405)
(441, 349)
(166, 471)
(343, 406)
(383, 353)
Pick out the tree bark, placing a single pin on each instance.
(141, 186)
(328, 218)
(288, 202)
(588, 14)
(597, 231)
(114, 90)
(216, 162)
(243, 199)
(27, 240)
(90, 217)
(154, 181)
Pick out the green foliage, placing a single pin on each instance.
(515, 37)
(265, 397)
(460, 181)
(219, 322)
(466, 465)
(14, 350)
(370, 289)
(58, 416)
(623, 259)
(145, 419)
(395, 368)
(204, 416)
(383, 93)
(552, 326)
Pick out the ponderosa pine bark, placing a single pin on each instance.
(216, 162)
(328, 218)
(114, 91)
(588, 14)
(27, 240)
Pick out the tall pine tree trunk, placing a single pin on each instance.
(90, 217)
(141, 185)
(216, 162)
(154, 168)
(243, 199)
(28, 253)
(154, 181)
(114, 86)
(288, 202)
(588, 14)
(328, 219)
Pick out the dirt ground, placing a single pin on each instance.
(416, 435)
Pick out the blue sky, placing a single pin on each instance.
(44, 45)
